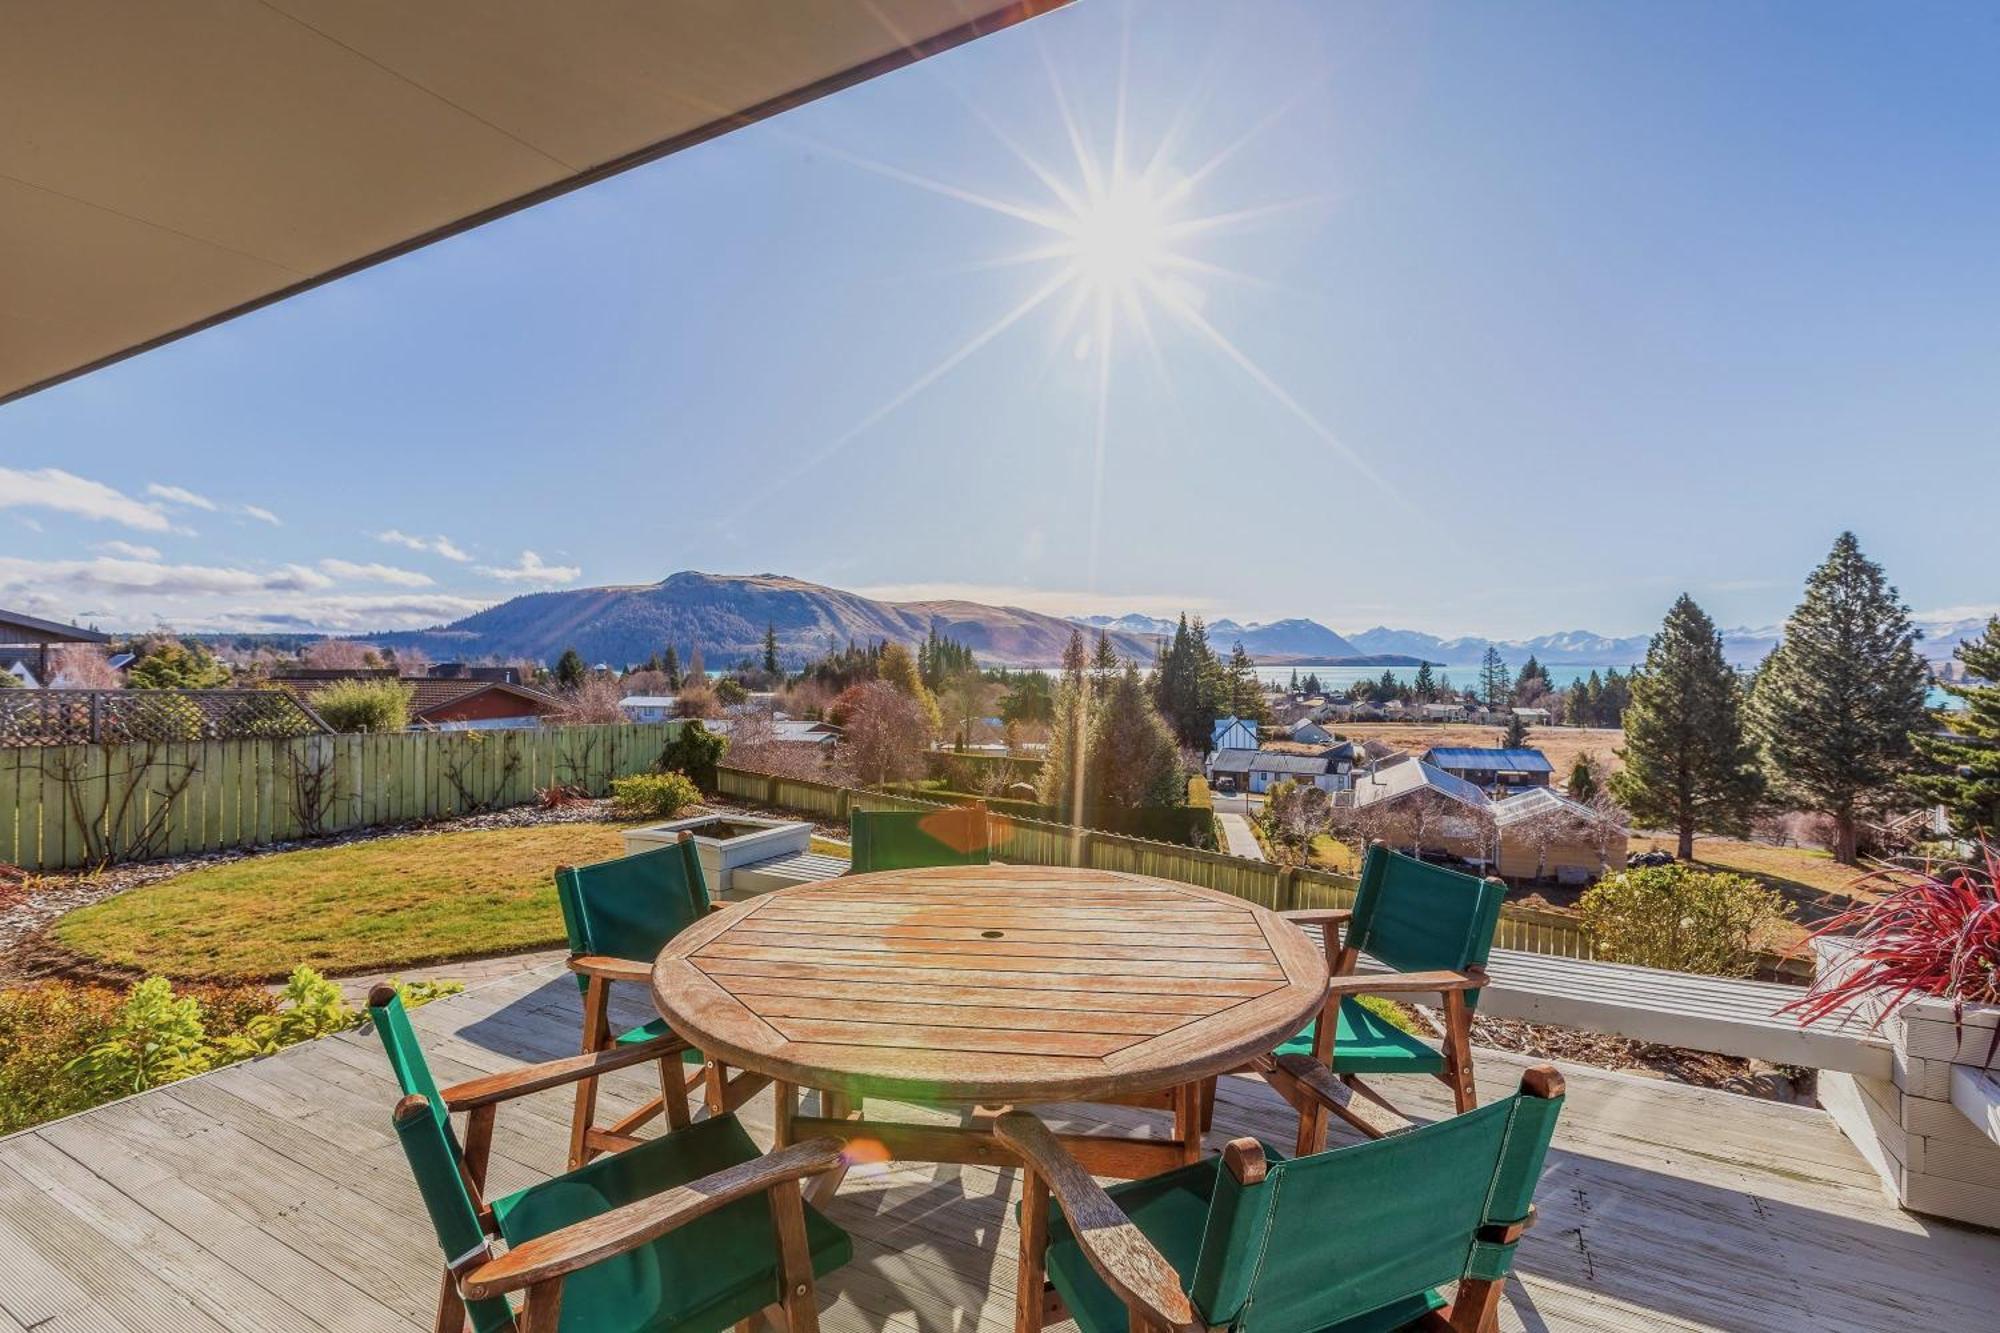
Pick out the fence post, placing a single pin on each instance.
(1288, 889)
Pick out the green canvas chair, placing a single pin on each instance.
(619, 914)
(1357, 1240)
(692, 1232)
(1434, 928)
(958, 835)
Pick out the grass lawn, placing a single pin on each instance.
(1814, 884)
(367, 906)
(1330, 853)
(1560, 744)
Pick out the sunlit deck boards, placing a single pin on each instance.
(271, 1196)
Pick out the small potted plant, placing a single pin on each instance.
(1922, 962)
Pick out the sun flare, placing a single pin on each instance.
(1120, 239)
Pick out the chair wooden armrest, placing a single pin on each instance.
(1128, 1262)
(1394, 983)
(623, 1229)
(1318, 916)
(611, 969)
(1314, 1079)
(555, 1073)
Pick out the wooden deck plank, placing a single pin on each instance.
(1663, 1207)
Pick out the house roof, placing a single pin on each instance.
(1407, 774)
(1231, 761)
(183, 164)
(1489, 761)
(18, 628)
(1269, 761)
(648, 701)
(1539, 801)
(428, 695)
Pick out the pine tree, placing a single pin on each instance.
(770, 649)
(1840, 696)
(1584, 780)
(1133, 760)
(671, 664)
(1690, 760)
(1103, 665)
(1688, 763)
(570, 669)
(1387, 688)
(1060, 783)
(1295, 681)
(1961, 757)
(1516, 735)
(1246, 693)
(1495, 683)
(1073, 658)
(1425, 687)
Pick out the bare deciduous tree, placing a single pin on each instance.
(886, 734)
(83, 666)
(594, 699)
(339, 655)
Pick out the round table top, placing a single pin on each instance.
(990, 984)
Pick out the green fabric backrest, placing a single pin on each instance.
(1339, 1234)
(630, 906)
(1417, 917)
(435, 1158)
(908, 840)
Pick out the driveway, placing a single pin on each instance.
(1236, 830)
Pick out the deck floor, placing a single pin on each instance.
(272, 1196)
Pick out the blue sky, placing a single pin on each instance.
(1516, 318)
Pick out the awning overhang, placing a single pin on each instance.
(164, 167)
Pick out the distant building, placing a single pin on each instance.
(1534, 717)
(27, 645)
(1233, 733)
(1311, 733)
(1545, 835)
(649, 707)
(438, 705)
(1256, 771)
(1444, 712)
(1493, 770)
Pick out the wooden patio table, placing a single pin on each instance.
(990, 986)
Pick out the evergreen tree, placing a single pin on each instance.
(1133, 761)
(1073, 658)
(770, 649)
(1103, 665)
(1836, 704)
(671, 664)
(1426, 686)
(1386, 688)
(1688, 764)
(1613, 700)
(1060, 784)
(1295, 680)
(1495, 683)
(1246, 692)
(1961, 756)
(1584, 779)
(570, 669)
(1516, 735)
(166, 663)
(899, 667)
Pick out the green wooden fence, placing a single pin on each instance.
(67, 806)
(1033, 842)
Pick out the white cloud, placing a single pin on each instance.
(439, 545)
(180, 495)
(1052, 602)
(375, 573)
(130, 550)
(112, 575)
(532, 570)
(263, 515)
(339, 612)
(65, 492)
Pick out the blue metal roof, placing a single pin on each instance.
(1502, 761)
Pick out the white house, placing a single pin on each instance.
(1233, 733)
(648, 707)
(1258, 771)
(1445, 712)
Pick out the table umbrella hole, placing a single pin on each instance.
(991, 934)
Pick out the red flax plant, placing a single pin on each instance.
(1938, 935)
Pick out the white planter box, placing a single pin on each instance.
(726, 843)
(1933, 1153)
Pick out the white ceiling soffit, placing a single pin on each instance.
(164, 167)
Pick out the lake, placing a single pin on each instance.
(1336, 678)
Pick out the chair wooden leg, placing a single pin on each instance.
(596, 1035)
(795, 1273)
(785, 1107)
(1476, 1306)
(451, 1307)
(543, 1311)
(1187, 1121)
(1032, 1273)
(1458, 1051)
(1208, 1105)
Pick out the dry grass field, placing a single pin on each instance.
(1561, 744)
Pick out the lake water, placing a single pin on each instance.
(1336, 679)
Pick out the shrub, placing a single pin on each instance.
(1682, 919)
(364, 705)
(695, 751)
(653, 795)
(731, 691)
(66, 1047)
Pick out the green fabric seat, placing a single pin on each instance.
(652, 1031)
(1366, 1043)
(629, 907)
(911, 840)
(706, 1275)
(1359, 1239)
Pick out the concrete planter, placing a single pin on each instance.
(1928, 1129)
(726, 843)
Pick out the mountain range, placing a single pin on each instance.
(725, 615)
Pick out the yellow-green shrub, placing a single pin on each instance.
(653, 795)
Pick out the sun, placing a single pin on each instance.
(1119, 239)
